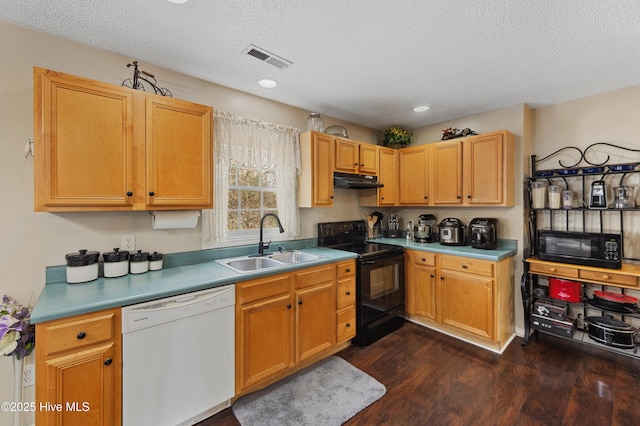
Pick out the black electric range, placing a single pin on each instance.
(380, 287)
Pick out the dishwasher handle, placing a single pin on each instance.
(148, 314)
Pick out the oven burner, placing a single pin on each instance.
(380, 287)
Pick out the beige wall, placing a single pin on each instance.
(612, 118)
(31, 241)
(516, 120)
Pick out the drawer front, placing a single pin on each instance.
(345, 269)
(612, 278)
(346, 321)
(468, 265)
(263, 288)
(62, 336)
(346, 292)
(424, 258)
(311, 277)
(544, 269)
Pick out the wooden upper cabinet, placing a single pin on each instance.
(315, 183)
(489, 169)
(104, 147)
(388, 176)
(447, 173)
(347, 155)
(413, 182)
(178, 153)
(368, 159)
(356, 157)
(83, 144)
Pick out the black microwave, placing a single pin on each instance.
(581, 248)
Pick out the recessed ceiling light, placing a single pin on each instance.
(422, 108)
(267, 83)
(177, 1)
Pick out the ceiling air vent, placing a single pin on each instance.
(267, 57)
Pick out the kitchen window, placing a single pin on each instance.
(252, 193)
(255, 171)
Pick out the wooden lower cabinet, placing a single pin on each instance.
(315, 323)
(78, 370)
(466, 302)
(466, 297)
(346, 301)
(264, 329)
(420, 272)
(283, 321)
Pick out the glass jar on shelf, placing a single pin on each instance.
(315, 123)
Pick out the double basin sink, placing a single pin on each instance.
(246, 264)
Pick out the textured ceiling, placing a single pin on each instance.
(369, 62)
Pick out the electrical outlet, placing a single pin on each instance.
(128, 243)
(28, 375)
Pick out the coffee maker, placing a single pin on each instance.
(423, 231)
(483, 233)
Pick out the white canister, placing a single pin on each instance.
(139, 262)
(82, 266)
(567, 199)
(116, 263)
(538, 194)
(155, 261)
(555, 196)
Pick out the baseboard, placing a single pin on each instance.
(490, 346)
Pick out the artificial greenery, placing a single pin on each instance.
(395, 135)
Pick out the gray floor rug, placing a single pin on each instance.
(329, 392)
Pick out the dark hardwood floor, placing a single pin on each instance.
(433, 379)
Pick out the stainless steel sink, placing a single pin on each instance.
(245, 264)
(248, 264)
(294, 256)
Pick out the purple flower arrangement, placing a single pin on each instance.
(17, 334)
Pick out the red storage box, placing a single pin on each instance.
(567, 290)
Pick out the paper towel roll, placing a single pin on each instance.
(175, 219)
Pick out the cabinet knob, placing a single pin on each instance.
(81, 335)
(464, 266)
(332, 197)
(423, 259)
(468, 196)
(426, 197)
(347, 270)
(151, 193)
(300, 302)
(552, 269)
(129, 193)
(355, 164)
(289, 306)
(348, 324)
(108, 361)
(605, 277)
(458, 197)
(432, 276)
(362, 165)
(348, 293)
(442, 278)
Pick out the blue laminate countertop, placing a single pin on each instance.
(182, 273)
(506, 248)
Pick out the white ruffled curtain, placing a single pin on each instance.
(257, 144)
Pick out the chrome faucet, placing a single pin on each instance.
(261, 245)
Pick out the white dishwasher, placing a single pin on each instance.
(178, 358)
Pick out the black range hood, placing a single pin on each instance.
(354, 181)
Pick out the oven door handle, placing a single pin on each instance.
(368, 262)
